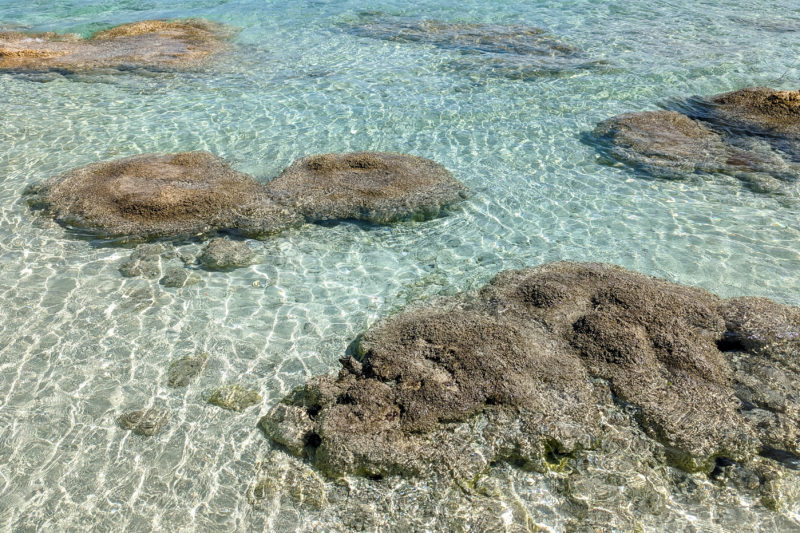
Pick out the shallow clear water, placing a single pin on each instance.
(79, 343)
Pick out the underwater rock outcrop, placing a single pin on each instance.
(375, 187)
(225, 254)
(234, 397)
(512, 51)
(145, 422)
(752, 134)
(147, 43)
(144, 197)
(185, 370)
(527, 370)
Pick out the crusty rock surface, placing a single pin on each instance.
(152, 196)
(146, 43)
(375, 187)
(225, 254)
(530, 369)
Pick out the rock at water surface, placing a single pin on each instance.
(147, 43)
(177, 196)
(186, 369)
(374, 187)
(752, 134)
(525, 370)
(145, 422)
(225, 254)
(234, 397)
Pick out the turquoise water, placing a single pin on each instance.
(79, 343)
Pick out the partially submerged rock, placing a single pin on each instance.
(371, 186)
(234, 397)
(513, 51)
(145, 422)
(147, 43)
(186, 369)
(150, 196)
(751, 134)
(526, 370)
(225, 254)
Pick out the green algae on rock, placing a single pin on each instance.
(145, 422)
(752, 134)
(374, 187)
(147, 43)
(234, 397)
(176, 196)
(525, 370)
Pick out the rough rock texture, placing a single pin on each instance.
(530, 369)
(512, 51)
(147, 43)
(225, 254)
(150, 196)
(371, 186)
(234, 397)
(186, 369)
(145, 422)
(751, 134)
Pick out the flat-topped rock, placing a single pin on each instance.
(752, 134)
(225, 254)
(525, 369)
(375, 187)
(147, 43)
(175, 196)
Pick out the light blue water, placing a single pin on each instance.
(79, 343)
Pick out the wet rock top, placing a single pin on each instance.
(147, 43)
(523, 370)
(150, 196)
(372, 186)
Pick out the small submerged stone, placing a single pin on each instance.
(186, 369)
(177, 196)
(234, 397)
(374, 187)
(752, 134)
(145, 422)
(146, 260)
(147, 43)
(177, 277)
(225, 254)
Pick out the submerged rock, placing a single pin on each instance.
(225, 254)
(145, 422)
(147, 43)
(371, 186)
(529, 369)
(146, 260)
(184, 370)
(512, 51)
(752, 135)
(150, 196)
(234, 397)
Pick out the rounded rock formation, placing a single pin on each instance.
(530, 368)
(370, 186)
(147, 43)
(161, 196)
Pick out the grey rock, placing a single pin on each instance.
(145, 422)
(225, 254)
(177, 277)
(234, 397)
(186, 369)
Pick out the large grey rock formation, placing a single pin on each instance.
(527, 369)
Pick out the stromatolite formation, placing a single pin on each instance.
(529, 369)
(752, 134)
(508, 50)
(147, 43)
(371, 186)
(150, 196)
